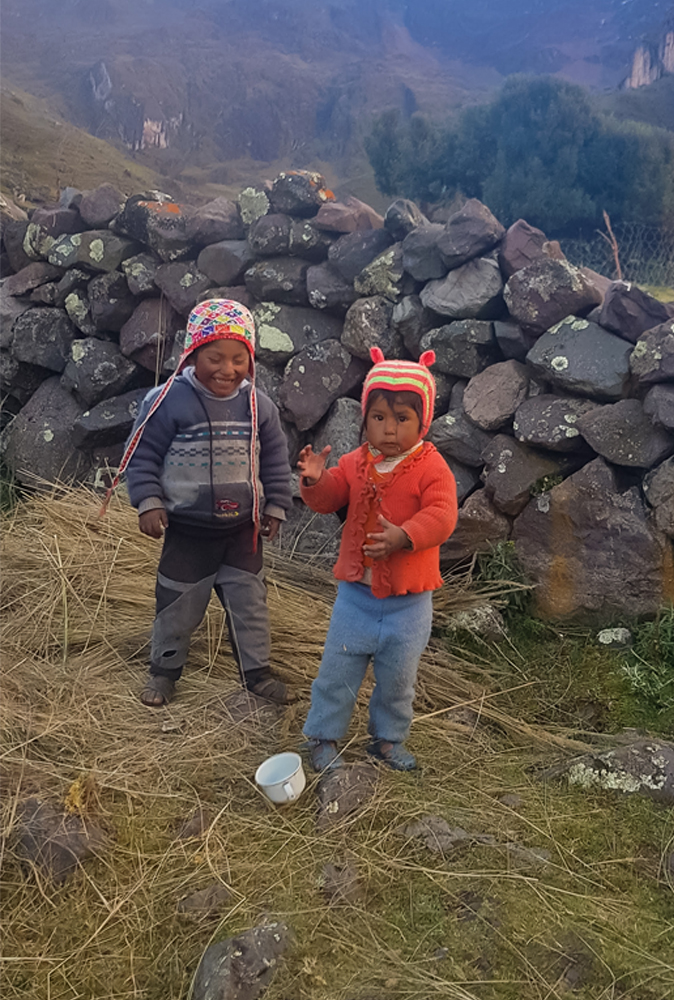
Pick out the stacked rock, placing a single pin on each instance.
(555, 404)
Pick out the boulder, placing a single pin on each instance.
(100, 206)
(269, 236)
(53, 841)
(348, 216)
(456, 396)
(421, 257)
(623, 434)
(652, 359)
(629, 311)
(269, 380)
(550, 422)
(645, 767)
(77, 307)
(30, 277)
(469, 233)
(38, 445)
(659, 405)
(466, 477)
(443, 392)
(383, 276)
(368, 324)
(226, 262)
(242, 967)
(315, 378)
(492, 396)
(42, 337)
(457, 437)
(308, 241)
(18, 381)
(53, 221)
(343, 791)
(354, 251)
(284, 330)
(10, 309)
(659, 492)
(402, 216)
(140, 271)
(182, 284)
(239, 293)
(70, 197)
(305, 533)
(479, 528)
(327, 289)
(512, 340)
(98, 370)
(110, 301)
(580, 357)
(411, 321)
(109, 422)
(253, 204)
(591, 551)
(98, 250)
(340, 429)
(218, 220)
(463, 348)
(278, 279)
(547, 291)
(44, 295)
(148, 336)
(157, 221)
(299, 192)
(13, 235)
(513, 472)
(10, 212)
(522, 244)
(75, 279)
(471, 291)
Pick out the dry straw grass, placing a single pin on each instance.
(77, 607)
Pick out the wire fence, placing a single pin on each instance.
(646, 254)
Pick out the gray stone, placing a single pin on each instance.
(522, 245)
(551, 422)
(140, 271)
(242, 967)
(42, 337)
(327, 289)
(279, 279)
(340, 429)
(348, 216)
(110, 301)
(368, 324)
(182, 284)
(75, 279)
(148, 336)
(383, 276)
(421, 257)
(10, 309)
(315, 378)
(268, 379)
(226, 262)
(38, 445)
(547, 291)
(652, 359)
(98, 250)
(479, 528)
(305, 533)
(462, 348)
(580, 357)
(56, 843)
(13, 235)
(402, 217)
(614, 638)
(354, 251)
(98, 370)
(308, 241)
(456, 396)
(466, 477)
(343, 791)
(218, 220)
(411, 321)
(100, 206)
(70, 197)
(512, 472)
(623, 434)
(157, 221)
(109, 422)
(269, 236)
(561, 542)
(18, 380)
(645, 767)
(78, 310)
(443, 393)
(482, 620)
(52, 221)
(659, 405)
(457, 437)
(472, 291)
(659, 492)
(30, 277)
(629, 311)
(469, 233)
(253, 204)
(492, 396)
(45, 295)
(284, 330)
(512, 340)
(299, 192)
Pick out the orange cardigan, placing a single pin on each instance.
(419, 496)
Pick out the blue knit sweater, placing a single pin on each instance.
(193, 458)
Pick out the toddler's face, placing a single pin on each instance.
(392, 430)
(221, 366)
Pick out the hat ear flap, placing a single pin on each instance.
(427, 359)
(377, 355)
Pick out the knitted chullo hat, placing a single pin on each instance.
(214, 319)
(403, 376)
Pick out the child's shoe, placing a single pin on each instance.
(396, 755)
(324, 754)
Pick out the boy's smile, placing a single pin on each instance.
(221, 366)
(392, 430)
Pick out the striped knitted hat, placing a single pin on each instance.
(403, 376)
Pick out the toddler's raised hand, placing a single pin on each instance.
(311, 465)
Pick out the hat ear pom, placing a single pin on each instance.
(427, 359)
(377, 355)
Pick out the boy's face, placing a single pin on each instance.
(221, 366)
(392, 430)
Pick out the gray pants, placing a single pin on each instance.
(194, 561)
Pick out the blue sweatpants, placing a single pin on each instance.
(390, 631)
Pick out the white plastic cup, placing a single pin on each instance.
(281, 777)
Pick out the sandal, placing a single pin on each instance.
(274, 690)
(396, 755)
(158, 691)
(324, 754)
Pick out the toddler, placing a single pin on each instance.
(402, 506)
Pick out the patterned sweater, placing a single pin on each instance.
(194, 456)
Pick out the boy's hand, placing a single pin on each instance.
(312, 465)
(153, 522)
(390, 539)
(269, 527)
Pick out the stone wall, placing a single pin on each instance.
(555, 404)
